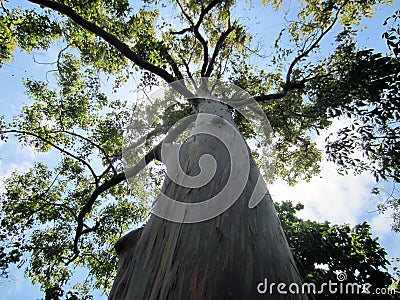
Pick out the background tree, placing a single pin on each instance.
(71, 214)
(392, 37)
(323, 250)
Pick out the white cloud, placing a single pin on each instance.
(7, 169)
(329, 196)
(14, 158)
(332, 197)
(381, 224)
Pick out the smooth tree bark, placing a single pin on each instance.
(226, 257)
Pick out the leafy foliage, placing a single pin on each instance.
(26, 29)
(323, 250)
(392, 35)
(363, 86)
(390, 204)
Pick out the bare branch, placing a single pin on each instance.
(269, 97)
(59, 56)
(311, 48)
(92, 143)
(3, 6)
(203, 13)
(55, 147)
(195, 29)
(203, 42)
(154, 153)
(188, 18)
(206, 10)
(173, 64)
(186, 65)
(286, 89)
(109, 167)
(180, 32)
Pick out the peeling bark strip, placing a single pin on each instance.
(222, 258)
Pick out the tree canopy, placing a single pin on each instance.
(71, 214)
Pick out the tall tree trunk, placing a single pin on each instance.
(225, 257)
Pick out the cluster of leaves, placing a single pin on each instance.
(363, 86)
(390, 204)
(296, 156)
(39, 210)
(351, 83)
(26, 29)
(323, 250)
(392, 35)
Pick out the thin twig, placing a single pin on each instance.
(23, 132)
(92, 143)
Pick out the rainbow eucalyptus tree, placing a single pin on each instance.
(70, 213)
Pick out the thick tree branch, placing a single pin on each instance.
(106, 170)
(204, 44)
(311, 48)
(217, 49)
(207, 9)
(180, 32)
(195, 29)
(116, 179)
(293, 85)
(203, 13)
(187, 68)
(154, 153)
(173, 65)
(108, 37)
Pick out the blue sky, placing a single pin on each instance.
(332, 197)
